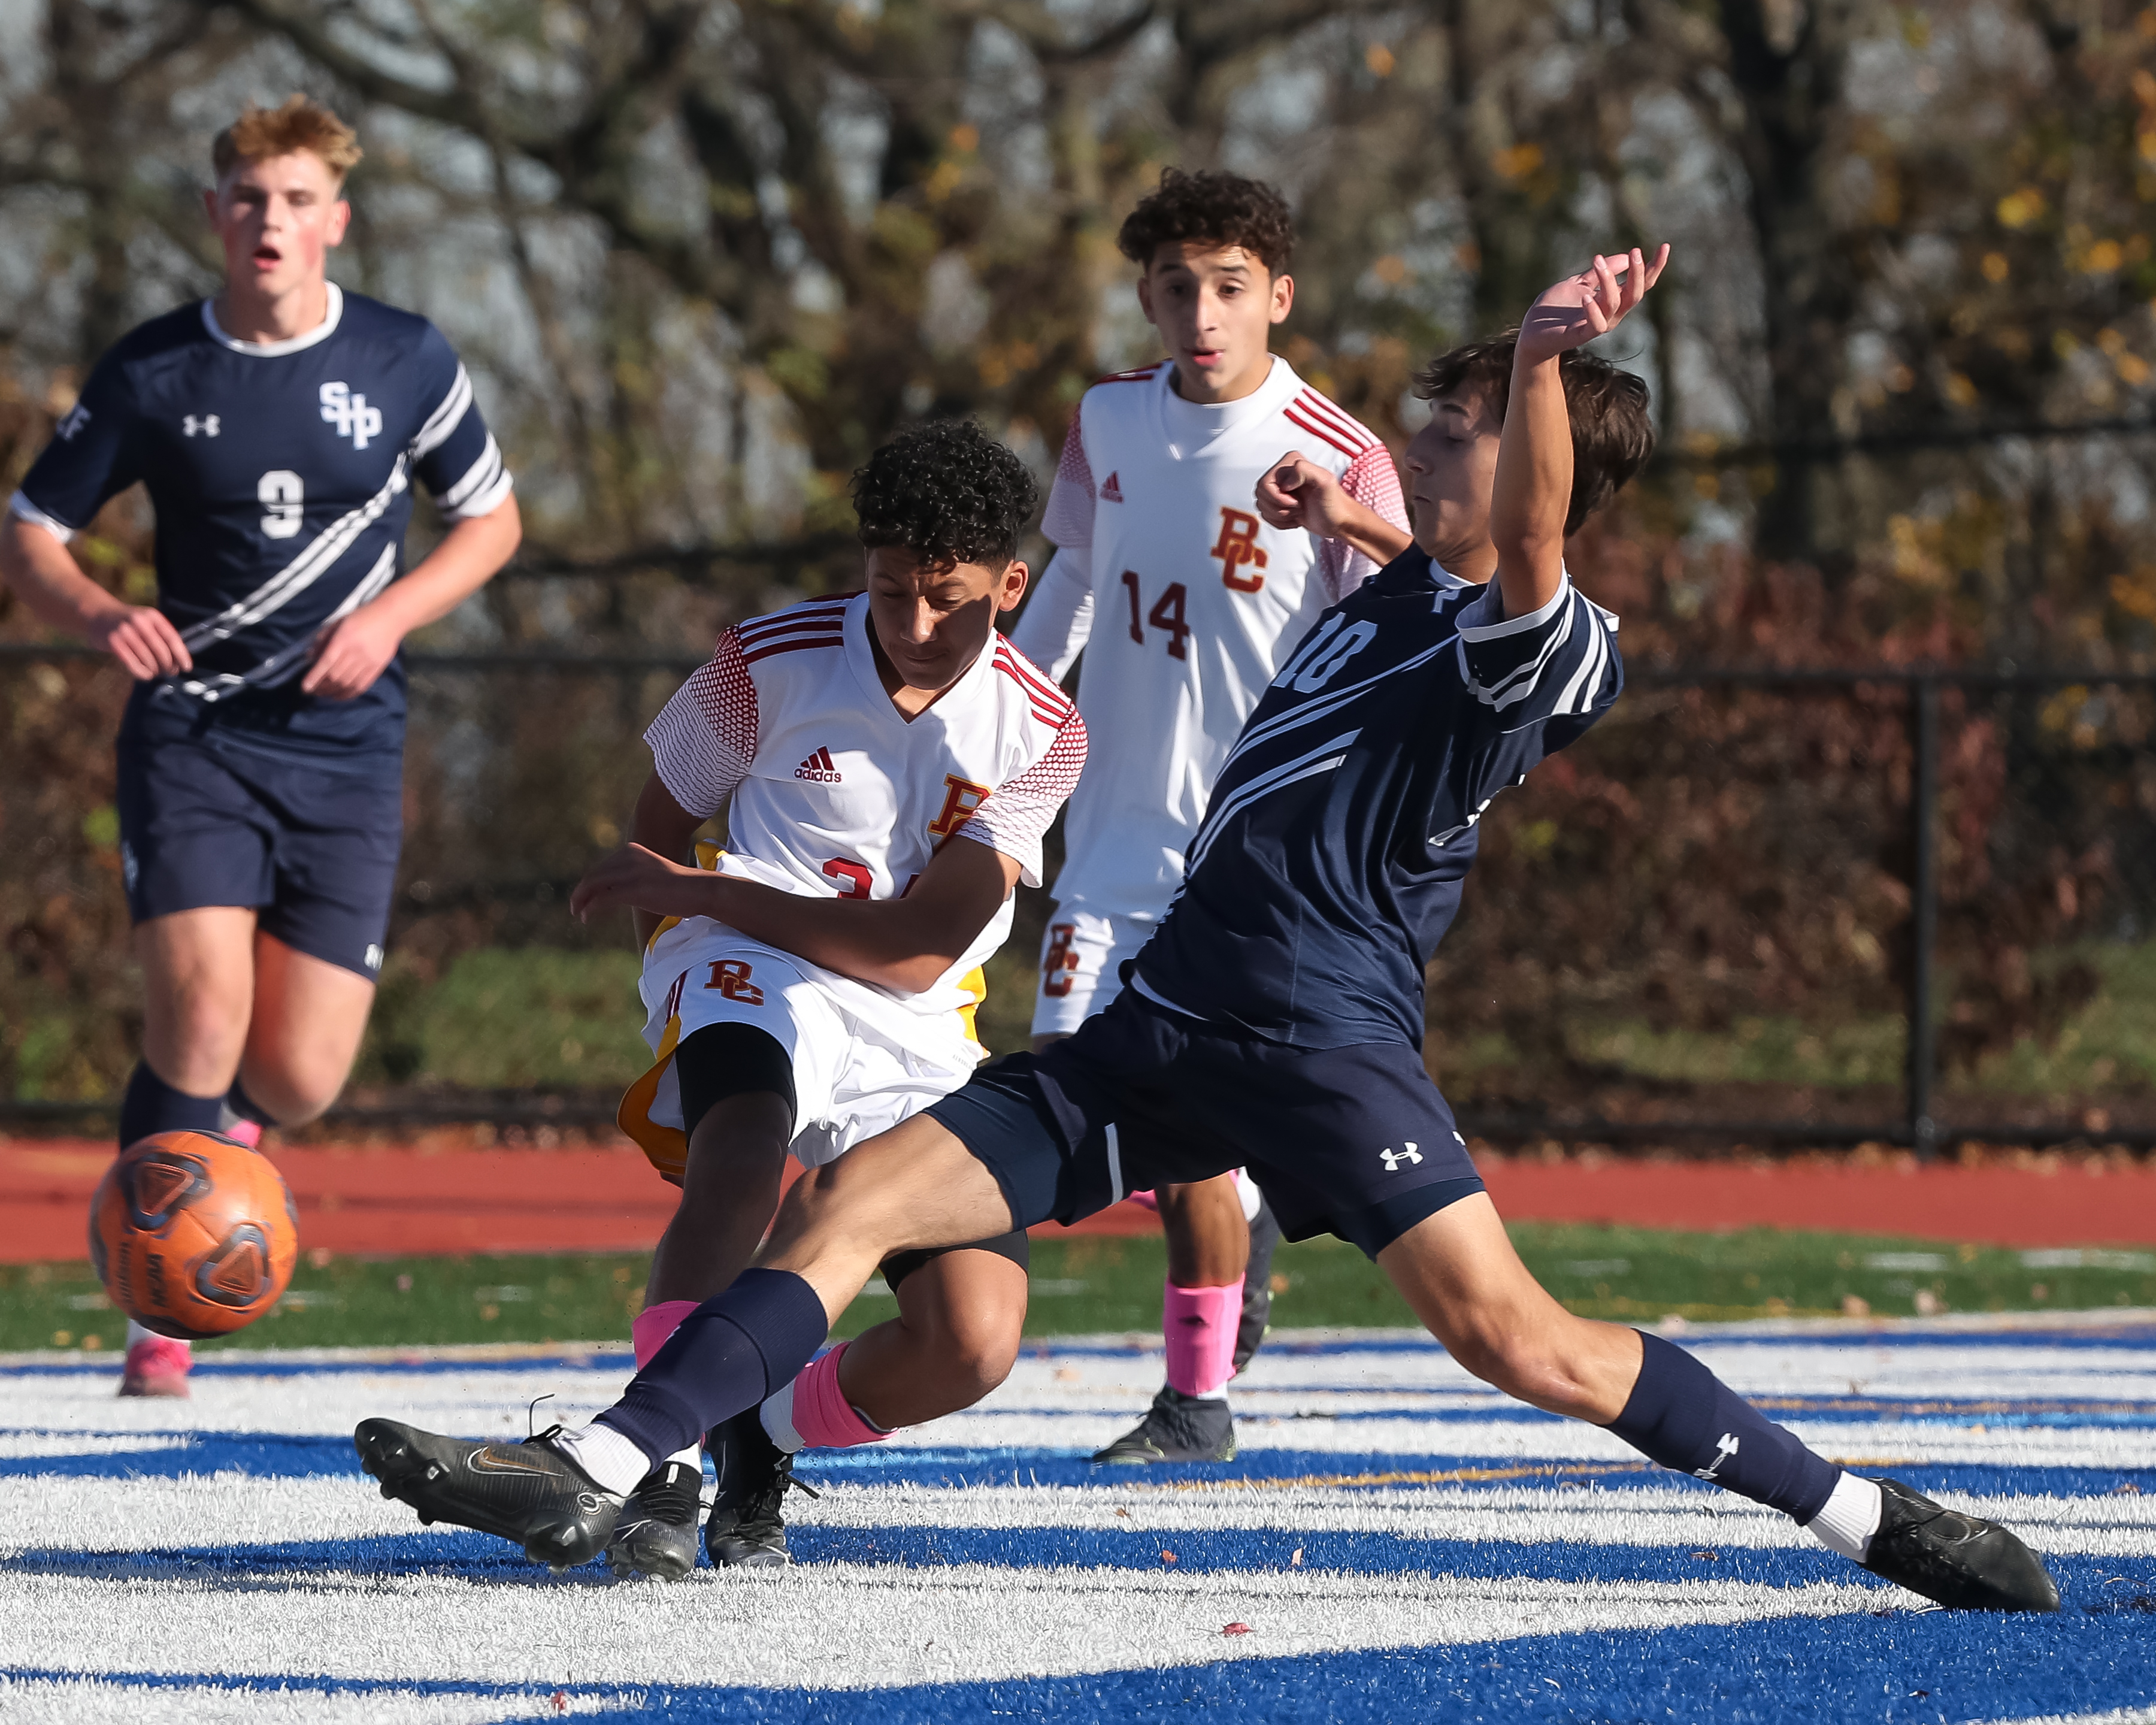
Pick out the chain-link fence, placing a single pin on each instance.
(1769, 906)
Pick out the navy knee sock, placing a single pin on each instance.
(730, 1353)
(1683, 1416)
(152, 1105)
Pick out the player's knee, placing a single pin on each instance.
(292, 1092)
(974, 1350)
(1529, 1364)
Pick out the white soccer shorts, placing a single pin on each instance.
(1081, 961)
(852, 1079)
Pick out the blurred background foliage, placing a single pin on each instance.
(701, 257)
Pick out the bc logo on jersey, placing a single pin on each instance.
(351, 414)
(1238, 548)
(961, 797)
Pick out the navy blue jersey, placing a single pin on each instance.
(281, 474)
(1339, 831)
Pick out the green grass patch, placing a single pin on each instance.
(1091, 1285)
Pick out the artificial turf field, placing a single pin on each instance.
(1393, 1542)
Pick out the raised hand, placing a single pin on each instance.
(1295, 492)
(1577, 309)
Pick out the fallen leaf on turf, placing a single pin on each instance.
(1168, 1556)
(1296, 1561)
(559, 1702)
(1236, 1629)
(1124, 1512)
(1708, 1557)
(2128, 1490)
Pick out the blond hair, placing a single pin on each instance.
(299, 124)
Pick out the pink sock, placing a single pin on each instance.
(649, 1331)
(821, 1413)
(1200, 1324)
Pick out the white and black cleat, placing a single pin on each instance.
(530, 1494)
(654, 1535)
(1177, 1428)
(1960, 1561)
(746, 1526)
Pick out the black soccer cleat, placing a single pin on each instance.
(1257, 1285)
(1960, 1561)
(655, 1533)
(745, 1529)
(1177, 1428)
(530, 1494)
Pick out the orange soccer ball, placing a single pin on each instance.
(194, 1234)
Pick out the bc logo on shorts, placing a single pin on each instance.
(1059, 961)
(731, 978)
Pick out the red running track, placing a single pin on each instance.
(449, 1201)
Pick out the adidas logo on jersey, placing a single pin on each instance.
(351, 414)
(819, 767)
(1111, 490)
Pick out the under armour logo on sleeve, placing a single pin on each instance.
(351, 414)
(1394, 1158)
(206, 426)
(1724, 1448)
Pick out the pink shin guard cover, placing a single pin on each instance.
(652, 1326)
(1200, 1324)
(822, 1414)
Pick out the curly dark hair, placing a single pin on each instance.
(1221, 209)
(1612, 436)
(947, 492)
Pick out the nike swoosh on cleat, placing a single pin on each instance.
(486, 1461)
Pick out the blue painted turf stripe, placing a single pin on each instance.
(1843, 1671)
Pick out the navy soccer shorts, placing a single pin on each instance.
(311, 843)
(1354, 1141)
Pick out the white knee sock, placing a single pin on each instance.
(1850, 1517)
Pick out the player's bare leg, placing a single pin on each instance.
(198, 989)
(729, 1189)
(303, 1032)
(960, 1317)
(1208, 1248)
(1459, 1272)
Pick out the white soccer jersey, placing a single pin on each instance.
(1191, 604)
(836, 794)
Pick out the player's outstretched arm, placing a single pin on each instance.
(43, 574)
(902, 943)
(660, 824)
(356, 649)
(1532, 490)
(1295, 492)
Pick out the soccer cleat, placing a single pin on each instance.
(1257, 1285)
(530, 1494)
(1177, 1428)
(745, 1529)
(156, 1366)
(655, 1534)
(1960, 1561)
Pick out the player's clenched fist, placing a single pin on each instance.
(142, 638)
(1295, 492)
(639, 879)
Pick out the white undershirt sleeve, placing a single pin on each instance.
(1057, 620)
